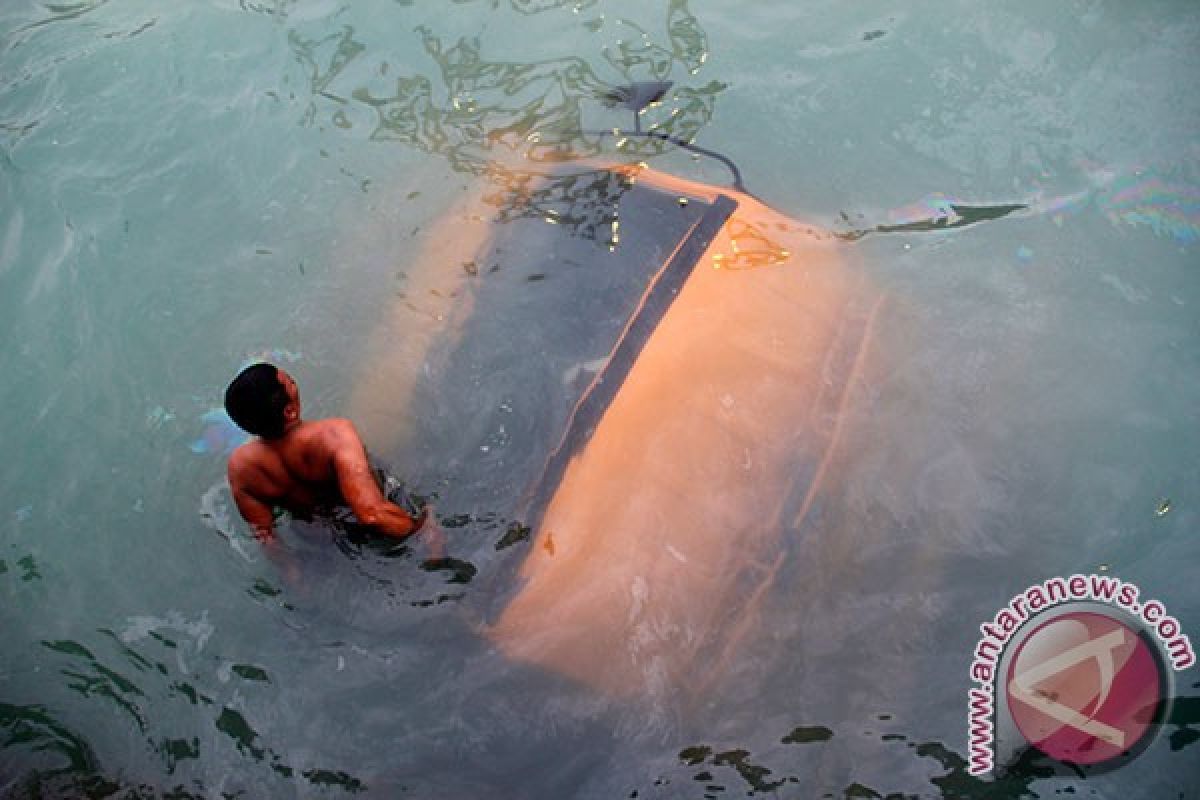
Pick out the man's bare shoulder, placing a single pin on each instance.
(334, 429)
(332, 423)
(333, 437)
(245, 455)
(246, 458)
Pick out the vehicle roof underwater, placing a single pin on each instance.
(650, 373)
(572, 277)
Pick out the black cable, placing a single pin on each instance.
(686, 145)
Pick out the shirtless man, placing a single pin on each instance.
(299, 465)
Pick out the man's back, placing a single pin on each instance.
(298, 471)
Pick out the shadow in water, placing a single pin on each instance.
(736, 772)
(44, 757)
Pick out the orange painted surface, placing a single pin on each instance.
(667, 525)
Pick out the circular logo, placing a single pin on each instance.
(1084, 687)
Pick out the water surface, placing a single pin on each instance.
(186, 188)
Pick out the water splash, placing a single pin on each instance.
(214, 513)
(158, 417)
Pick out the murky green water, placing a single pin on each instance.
(187, 186)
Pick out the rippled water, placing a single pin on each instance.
(186, 187)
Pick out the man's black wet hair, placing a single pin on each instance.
(255, 401)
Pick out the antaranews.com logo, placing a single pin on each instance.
(1084, 682)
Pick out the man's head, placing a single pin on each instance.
(263, 400)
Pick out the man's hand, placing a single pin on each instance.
(278, 556)
(265, 535)
(391, 519)
(432, 534)
(362, 494)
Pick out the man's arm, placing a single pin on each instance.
(257, 513)
(360, 490)
(261, 519)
